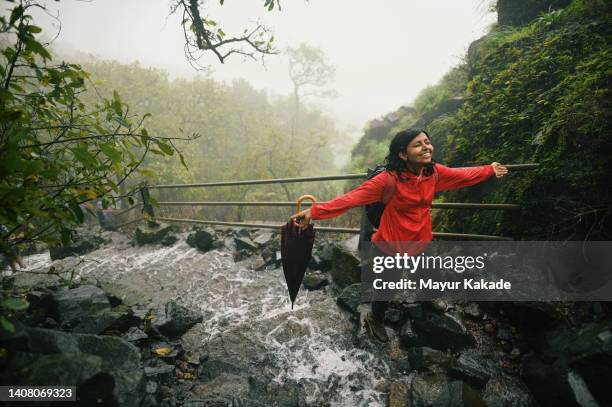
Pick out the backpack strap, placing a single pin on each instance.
(389, 189)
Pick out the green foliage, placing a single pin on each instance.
(57, 153)
(541, 95)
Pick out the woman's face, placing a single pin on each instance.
(419, 150)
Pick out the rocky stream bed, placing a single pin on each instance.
(164, 317)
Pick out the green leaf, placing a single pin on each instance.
(15, 304)
(37, 48)
(183, 161)
(33, 29)
(84, 156)
(110, 151)
(165, 148)
(16, 14)
(6, 324)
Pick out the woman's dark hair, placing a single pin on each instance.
(398, 144)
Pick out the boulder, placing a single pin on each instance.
(458, 394)
(314, 281)
(568, 357)
(173, 320)
(202, 239)
(426, 388)
(264, 238)
(473, 368)
(508, 391)
(85, 308)
(444, 331)
(100, 366)
(424, 358)
(146, 235)
(345, 267)
(350, 298)
(82, 245)
(244, 243)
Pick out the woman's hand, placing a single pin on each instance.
(499, 169)
(301, 219)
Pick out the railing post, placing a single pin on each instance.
(146, 205)
(365, 228)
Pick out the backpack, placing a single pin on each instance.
(375, 210)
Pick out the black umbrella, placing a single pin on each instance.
(296, 248)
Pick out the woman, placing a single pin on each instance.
(407, 216)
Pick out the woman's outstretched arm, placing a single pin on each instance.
(367, 193)
(453, 178)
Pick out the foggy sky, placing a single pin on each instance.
(384, 52)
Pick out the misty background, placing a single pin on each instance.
(383, 53)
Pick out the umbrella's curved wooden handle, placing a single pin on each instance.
(304, 197)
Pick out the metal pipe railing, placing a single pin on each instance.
(511, 167)
(437, 235)
(435, 205)
(121, 212)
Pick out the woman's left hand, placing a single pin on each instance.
(499, 169)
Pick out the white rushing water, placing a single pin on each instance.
(311, 344)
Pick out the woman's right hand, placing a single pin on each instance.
(301, 219)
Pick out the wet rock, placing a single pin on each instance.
(85, 308)
(243, 232)
(586, 351)
(123, 293)
(350, 298)
(458, 394)
(201, 239)
(444, 331)
(169, 240)
(314, 281)
(244, 243)
(263, 239)
(146, 235)
(325, 258)
(134, 334)
(161, 373)
(424, 358)
(426, 388)
(507, 391)
(83, 245)
(345, 267)
(439, 305)
(581, 392)
(173, 320)
(98, 364)
(240, 255)
(504, 333)
(472, 311)
(473, 368)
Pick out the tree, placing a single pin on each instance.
(203, 34)
(58, 154)
(311, 75)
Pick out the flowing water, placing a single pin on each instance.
(247, 317)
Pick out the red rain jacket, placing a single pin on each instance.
(407, 216)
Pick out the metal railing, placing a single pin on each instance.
(149, 213)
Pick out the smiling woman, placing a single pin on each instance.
(407, 215)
